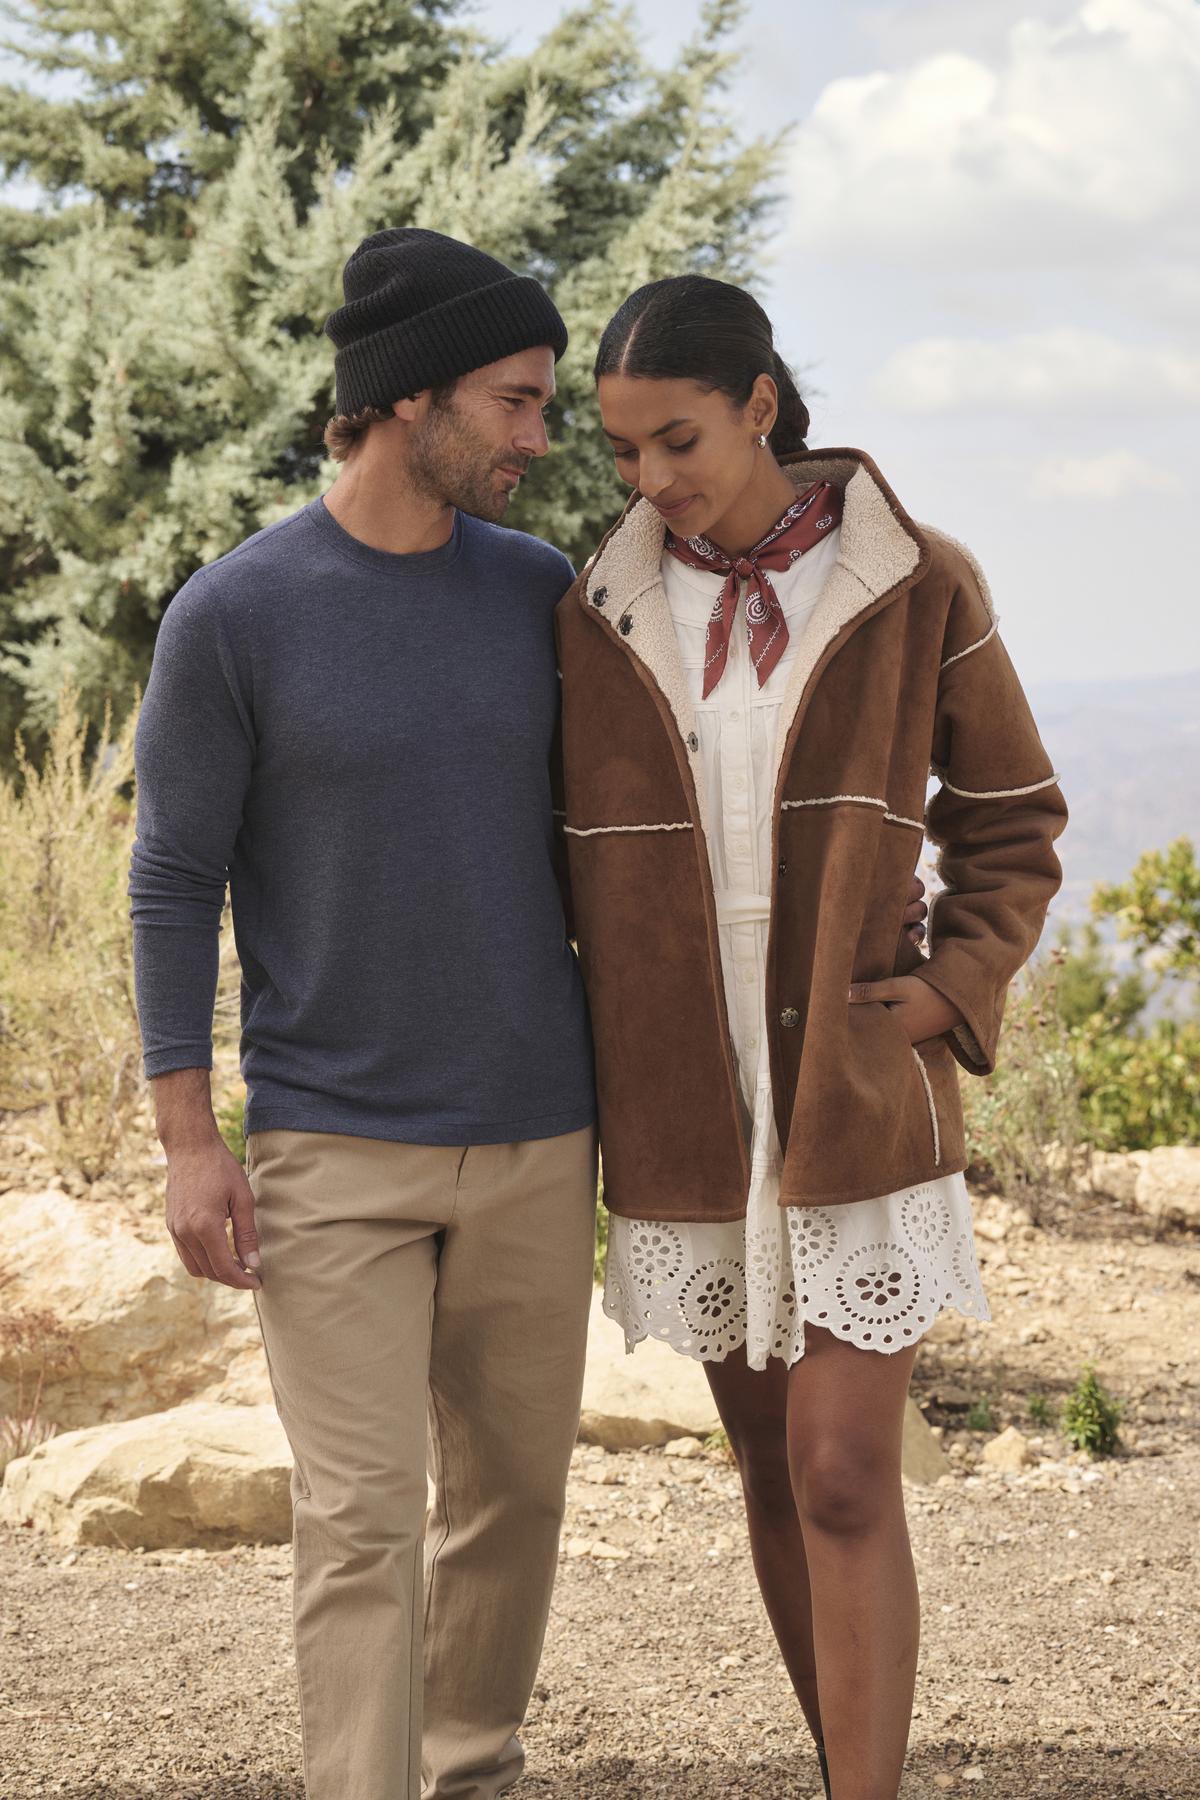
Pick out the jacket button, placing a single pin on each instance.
(782, 866)
(626, 624)
(693, 742)
(600, 596)
(789, 1017)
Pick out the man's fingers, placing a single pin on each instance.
(186, 1258)
(215, 1245)
(245, 1237)
(915, 911)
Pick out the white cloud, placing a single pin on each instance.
(1076, 142)
(1103, 477)
(1067, 371)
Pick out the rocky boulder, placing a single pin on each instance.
(1168, 1185)
(131, 1331)
(206, 1475)
(1163, 1184)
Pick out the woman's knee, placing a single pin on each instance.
(844, 1488)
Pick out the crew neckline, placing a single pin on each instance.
(392, 562)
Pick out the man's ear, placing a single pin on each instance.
(412, 407)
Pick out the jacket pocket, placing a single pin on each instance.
(930, 1101)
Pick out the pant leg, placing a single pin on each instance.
(349, 1234)
(506, 1378)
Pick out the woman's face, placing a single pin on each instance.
(690, 451)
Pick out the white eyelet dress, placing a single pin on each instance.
(876, 1272)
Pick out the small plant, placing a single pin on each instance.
(717, 1443)
(19, 1436)
(33, 1344)
(980, 1416)
(1091, 1416)
(1040, 1410)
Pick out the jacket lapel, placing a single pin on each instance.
(881, 552)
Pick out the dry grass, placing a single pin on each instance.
(69, 1047)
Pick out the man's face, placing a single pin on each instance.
(471, 451)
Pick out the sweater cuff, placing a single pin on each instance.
(957, 976)
(181, 1056)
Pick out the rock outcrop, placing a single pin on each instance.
(205, 1474)
(141, 1334)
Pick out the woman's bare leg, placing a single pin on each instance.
(753, 1407)
(845, 1420)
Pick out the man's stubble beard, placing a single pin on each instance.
(450, 465)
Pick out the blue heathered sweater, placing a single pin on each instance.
(359, 743)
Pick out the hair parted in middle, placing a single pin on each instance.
(694, 328)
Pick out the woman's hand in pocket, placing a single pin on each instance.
(923, 1012)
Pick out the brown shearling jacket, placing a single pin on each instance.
(900, 671)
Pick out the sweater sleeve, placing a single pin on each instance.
(994, 819)
(193, 751)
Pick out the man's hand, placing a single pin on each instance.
(206, 1189)
(206, 1184)
(916, 912)
(923, 1012)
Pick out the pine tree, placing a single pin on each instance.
(164, 381)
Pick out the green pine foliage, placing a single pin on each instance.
(204, 168)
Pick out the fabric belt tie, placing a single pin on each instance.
(736, 907)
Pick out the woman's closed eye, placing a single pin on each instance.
(624, 455)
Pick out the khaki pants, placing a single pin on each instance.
(417, 1296)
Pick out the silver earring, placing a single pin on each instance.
(762, 442)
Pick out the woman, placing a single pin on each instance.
(760, 665)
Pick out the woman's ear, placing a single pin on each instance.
(763, 405)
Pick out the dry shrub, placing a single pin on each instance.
(1023, 1123)
(34, 1342)
(68, 1024)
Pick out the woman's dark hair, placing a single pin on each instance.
(692, 328)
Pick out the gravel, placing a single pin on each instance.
(1060, 1646)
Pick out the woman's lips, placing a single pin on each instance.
(678, 506)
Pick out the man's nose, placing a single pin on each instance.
(533, 438)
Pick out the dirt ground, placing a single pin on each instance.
(1060, 1633)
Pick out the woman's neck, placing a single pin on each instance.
(763, 500)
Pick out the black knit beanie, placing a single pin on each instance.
(422, 308)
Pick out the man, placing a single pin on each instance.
(352, 718)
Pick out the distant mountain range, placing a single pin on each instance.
(1129, 756)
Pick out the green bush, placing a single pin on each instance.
(1091, 1416)
(1136, 1091)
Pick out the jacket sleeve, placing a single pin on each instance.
(558, 801)
(994, 819)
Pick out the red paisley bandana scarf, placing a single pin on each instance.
(809, 519)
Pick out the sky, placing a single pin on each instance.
(985, 269)
(986, 272)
